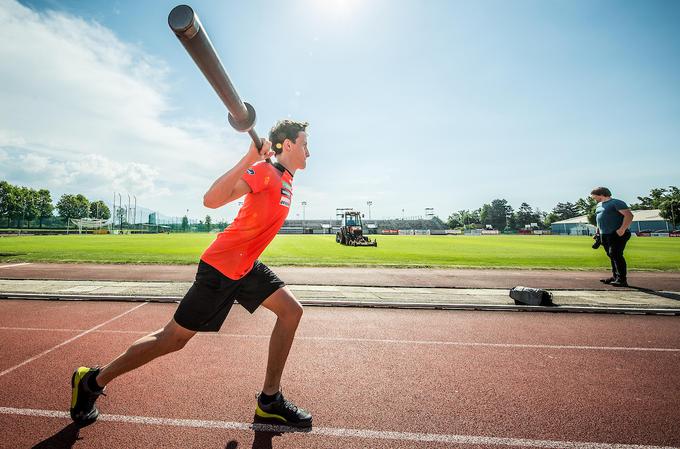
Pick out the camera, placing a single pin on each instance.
(598, 241)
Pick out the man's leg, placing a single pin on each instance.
(87, 384)
(288, 311)
(619, 261)
(171, 338)
(606, 244)
(270, 403)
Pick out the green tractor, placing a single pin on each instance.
(351, 231)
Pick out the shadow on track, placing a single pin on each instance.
(649, 291)
(64, 439)
(265, 432)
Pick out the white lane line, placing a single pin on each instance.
(47, 351)
(338, 432)
(376, 340)
(496, 345)
(48, 329)
(458, 343)
(15, 265)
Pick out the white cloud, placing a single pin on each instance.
(83, 111)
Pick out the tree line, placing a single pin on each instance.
(23, 206)
(500, 214)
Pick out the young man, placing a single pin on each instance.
(613, 219)
(228, 271)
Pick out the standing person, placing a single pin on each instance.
(613, 219)
(228, 271)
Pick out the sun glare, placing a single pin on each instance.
(337, 8)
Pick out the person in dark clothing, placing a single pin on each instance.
(613, 219)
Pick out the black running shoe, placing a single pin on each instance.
(619, 283)
(83, 398)
(284, 412)
(608, 280)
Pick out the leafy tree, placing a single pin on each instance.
(468, 218)
(16, 203)
(454, 221)
(666, 200)
(670, 206)
(496, 214)
(653, 201)
(564, 211)
(475, 217)
(208, 223)
(484, 214)
(185, 223)
(526, 215)
(551, 218)
(587, 206)
(99, 209)
(8, 200)
(28, 199)
(542, 218)
(44, 205)
(73, 206)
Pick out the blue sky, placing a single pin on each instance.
(412, 104)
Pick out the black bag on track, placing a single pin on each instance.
(531, 296)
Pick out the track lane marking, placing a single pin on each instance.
(15, 265)
(47, 351)
(336, 432)
(376, 340)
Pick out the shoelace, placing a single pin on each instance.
(290, 406)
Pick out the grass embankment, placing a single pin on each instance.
(536, 252)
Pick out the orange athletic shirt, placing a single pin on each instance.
(263, 212)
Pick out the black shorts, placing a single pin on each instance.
(207, 303)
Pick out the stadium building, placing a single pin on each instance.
(643, 221)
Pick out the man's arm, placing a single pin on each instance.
(230, 186)
(627, 220)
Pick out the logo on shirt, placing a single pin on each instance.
(250, 171)
(286, 185)
(285, 202)
(286, 193)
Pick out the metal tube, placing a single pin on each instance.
(184, 22)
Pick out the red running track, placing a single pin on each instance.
(372, 377)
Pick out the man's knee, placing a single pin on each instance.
(174, 337)
(291, 310)
(297, 310)
(172, 344)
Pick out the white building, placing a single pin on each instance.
(643, 220)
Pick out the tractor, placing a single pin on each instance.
(351, 231)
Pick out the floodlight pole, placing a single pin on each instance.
(120, 206)
(369, 204)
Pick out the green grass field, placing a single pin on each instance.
(538, 252)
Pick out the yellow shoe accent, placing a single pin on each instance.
(262, 414)
(77, 377)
